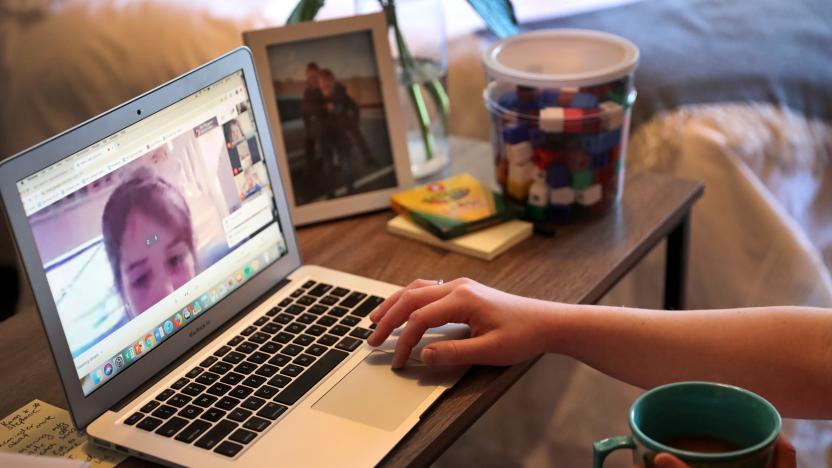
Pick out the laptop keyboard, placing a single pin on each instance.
(235, 394)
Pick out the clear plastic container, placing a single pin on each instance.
(560, 104)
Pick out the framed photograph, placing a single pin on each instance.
(332, 97)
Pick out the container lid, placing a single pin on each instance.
(561, 58)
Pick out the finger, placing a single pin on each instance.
(408, 302)
(434, 314)
(468, 351)
(666, 460)
(785, 456)
(382, 308)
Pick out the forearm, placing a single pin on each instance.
(783, 353)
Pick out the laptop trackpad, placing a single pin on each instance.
(375, 395)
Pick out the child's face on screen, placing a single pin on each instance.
(155, 261)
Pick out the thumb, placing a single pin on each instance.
(666, 460)
(467, 351)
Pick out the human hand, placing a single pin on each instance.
(505, 329)
(785, 456)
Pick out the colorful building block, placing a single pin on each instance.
(538, 194)
(551, 119)
(573, 120)
(581, 179)
(514, 133)
(562, 196)
(543, 158)
(519, 153)
(589, 195)
(565, 96)
(538, 175)
(584, 101)
(612, 115)
(557, 176)
(576, 160)
(549, 98)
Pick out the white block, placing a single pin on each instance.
(520, 173)
(590, 195)
(538, 175)
(612, 115)
(562, 196)
(519, 153)
(551, 119)
(539, 194)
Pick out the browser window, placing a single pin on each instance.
(145, 230)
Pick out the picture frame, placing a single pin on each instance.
(334, 161)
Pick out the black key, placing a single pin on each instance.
(273, 311)
(372, 326)
(295, 328)
(270, 347)
(239, 414)
(149, 406)
(348, 343)
(260, 321)
(315, 350)
(339, 330)
(248, 347)
(285, 302)
(133, 419)
(306, 300)
(303, 340)
(327, 340)
(266, 370)
(227, 403)
(242, 436)
(291, 370)
(179, 383)
(337, 311)
(234, 357)
(207, 378)
(254, 381)
(283, 337)
(308, 284)
(246, 367)
(361, 333)
(253, 403)
(367, 306)
(190, 412)
(213, 414)
(303, 360)
(350, 320)
(306, 318)
(229, 449)
(326, 320)
(330, 300)
(193, 389)
(270, 328)
(220, 368)
(164, 412)
(179, 400)
(294, 309)
(279, 360)
(279, 381)
(316, 330)
(233, 378)
(266, 392)
(235, 341)
(256, 424)
(149, 423)
(240, 391)
(296, 293)
(340, 292)
(171, 427)
(353, 299)
(194, 430)
(271, 411)
(221, 352)
(216, 434)
(219, 389)
(318, 309)
(194, 372)
(205, 400)
(208, 361)
(260, 337)
(320, 290)
(164, 395)
(248, 330)
(258, 358)
(292, 350)
(294, 391)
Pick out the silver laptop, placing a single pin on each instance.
(142, 234)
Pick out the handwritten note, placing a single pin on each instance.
(41, 429)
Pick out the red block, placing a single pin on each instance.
(543, 158)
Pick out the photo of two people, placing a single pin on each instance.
(331, 109)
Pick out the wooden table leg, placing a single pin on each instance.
(676, 265)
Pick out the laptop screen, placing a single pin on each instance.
(145, 230)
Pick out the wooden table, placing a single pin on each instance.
(578, 265)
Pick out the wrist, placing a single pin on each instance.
(562, 327)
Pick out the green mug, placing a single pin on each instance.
(705, 424)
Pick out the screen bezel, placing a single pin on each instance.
(85, 409)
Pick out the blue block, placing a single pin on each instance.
(592, 144)
(557, 175)
(508, 100)
(599, 161)
(611, 138)
(560, 214)
(584, 101)
(528, 108)
(537, 137)
(549, 98)
(515, 133)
